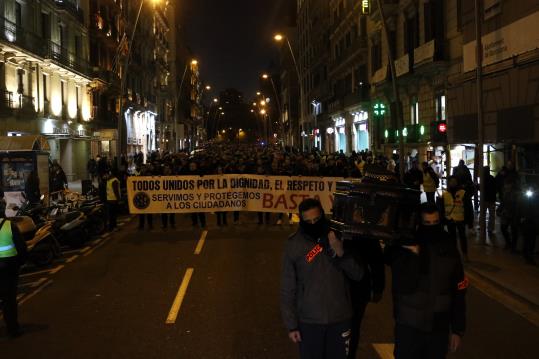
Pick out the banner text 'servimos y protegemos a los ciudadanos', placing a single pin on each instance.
(187, 194)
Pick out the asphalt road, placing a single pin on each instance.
(113, 299)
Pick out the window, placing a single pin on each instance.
(61, 35)
(77, 97)
(414, 112)
(45, 88)
(440, 108)
(77, 47)
(45, 26)
(18, 14)
(63, 92)
(20, 81)
(376, 56)
(411, 34)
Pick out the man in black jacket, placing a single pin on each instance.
(429, 290)
(315, 295)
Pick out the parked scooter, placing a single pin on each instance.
(95, 213)
(69, 228)
(42, 245)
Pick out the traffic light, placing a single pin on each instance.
(438, 132)
(365, 7)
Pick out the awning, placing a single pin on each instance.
(23, 143)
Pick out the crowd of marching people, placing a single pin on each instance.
(502, 193)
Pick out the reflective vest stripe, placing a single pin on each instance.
(7, 247)
(111, 195)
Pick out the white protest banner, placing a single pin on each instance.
(188, 194)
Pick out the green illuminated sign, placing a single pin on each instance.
(386, 133)
(379, 109)
(405, 132)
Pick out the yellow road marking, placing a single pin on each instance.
(57, 269)
(52, 271)
(85, 249)
(71, 259)
(175, 309)
(201, 242)
(29, 296)
(385, 351)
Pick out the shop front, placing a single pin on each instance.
(340, 135)
(70, 145)
(141, 135)
(360, 131)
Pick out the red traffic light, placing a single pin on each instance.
(442, 127)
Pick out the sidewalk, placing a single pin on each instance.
(504, 271)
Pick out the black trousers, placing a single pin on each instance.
(198, 217)
(324, 341)
(452, 228)
(263, 216)
(510, 234)
(112, 212)
(221, 218)
(431, 197)
(166, 218)
(9, 277)
(411, 343)
(142, 218)
(359, 311)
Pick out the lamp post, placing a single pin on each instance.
(398, 109)
(177, 100)
(277, 99)
(479, 172)
(280, 38)
(123, 84)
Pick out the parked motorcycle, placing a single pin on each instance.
(70, 227)
(95, 213)
(42, 245)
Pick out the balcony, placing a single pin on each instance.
(70, 8)
(428, 53)
(14, 103)
(64, 57)
(44, 48)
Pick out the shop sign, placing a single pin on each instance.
(504, 43)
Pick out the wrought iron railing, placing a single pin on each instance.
(44, 48)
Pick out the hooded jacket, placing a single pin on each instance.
(314, 285)
(429, 289)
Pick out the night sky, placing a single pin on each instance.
(232, 39)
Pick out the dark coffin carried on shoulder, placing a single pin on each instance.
(375, 206)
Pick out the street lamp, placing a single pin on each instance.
(267, 77)
(193, 62)
(208, 87)
(280, 38)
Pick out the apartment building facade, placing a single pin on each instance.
(45, 77)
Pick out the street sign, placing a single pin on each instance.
(365, 7)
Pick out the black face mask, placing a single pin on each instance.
(429, 233)
(316, 230)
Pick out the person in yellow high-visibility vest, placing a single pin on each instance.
(13, 254)
(113, 197)
(454, 212)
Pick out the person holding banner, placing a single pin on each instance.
(315, 294)
(198, 217)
